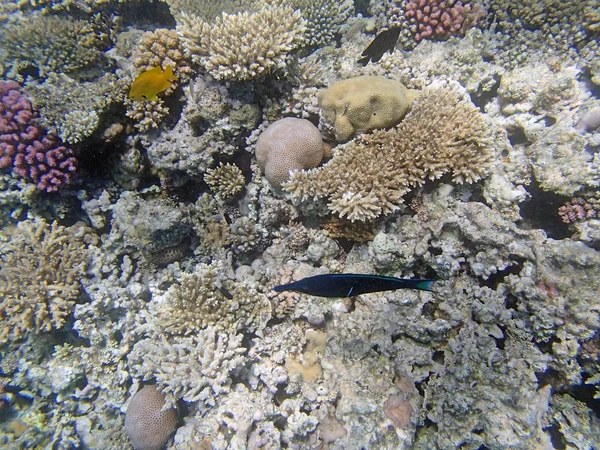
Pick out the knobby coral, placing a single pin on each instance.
(243, 46)
(26, 148)
(444, 132)
(40, 269)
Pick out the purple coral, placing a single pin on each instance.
(441, 18)
(577, 209)
(26, 148)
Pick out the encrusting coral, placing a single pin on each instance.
(243, 46)
(363, 104)
(443, 132)
(288, 144)
(40, 269)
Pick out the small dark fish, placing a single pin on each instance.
(351, 284)
(383, 42)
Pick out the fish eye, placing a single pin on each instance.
(144, 95)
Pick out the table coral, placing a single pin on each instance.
(363, 104)
(243, 46)
(286, 145)
(41, 266)
(26, 148)
(50, 44)
(443, 132)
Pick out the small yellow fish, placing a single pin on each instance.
(149, 83)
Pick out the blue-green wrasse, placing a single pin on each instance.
(352, 284)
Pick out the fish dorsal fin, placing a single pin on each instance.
(169, 75)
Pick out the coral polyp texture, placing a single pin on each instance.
(363, 104)
(40, 272)
(147, 424)
(25, 147)
(246, 45)
(162, 48)
(443, 133)
(225, 180)
(286, 145)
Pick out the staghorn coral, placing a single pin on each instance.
(147, 425)
(50, 44)
(26, 148)
(161, 47)
(443, 132)
(225, 180)
(208, 10)
(288, 144)
(195, 368)
(41, 266)
(243, 46)
(71, 109)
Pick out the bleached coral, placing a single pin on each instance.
(195, 368)
(41, 268)
(243, 46)
(443, 132)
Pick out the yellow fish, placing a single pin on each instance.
(149, 83)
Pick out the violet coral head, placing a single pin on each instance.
(26, 148)
(441, 18)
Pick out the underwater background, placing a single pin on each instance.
(165, 164)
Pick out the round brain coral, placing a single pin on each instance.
(288, 144)
(146, 424)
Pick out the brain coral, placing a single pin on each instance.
(147, 425)
(443, 132)
(363, 104)
(288, 144)
(243, 46)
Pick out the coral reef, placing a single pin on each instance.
(442, 133)
(146, 424)
(39, 278)
(70, 109)
(50, 44)
(225, 180)
(363, 104)
(161, 47)
(286, 145)
(579, 208)
(243, 46)
(26, 148)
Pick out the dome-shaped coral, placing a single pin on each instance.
(288, 144)
(146, 424)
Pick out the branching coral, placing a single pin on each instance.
(225, 180)
(50, 44)
(209, 9)
(243, 46)
(193, 368)
(161, 47)
(41, 266)
(72, 109)
(444, 132)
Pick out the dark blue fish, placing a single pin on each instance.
(351, 284)
(383, 42)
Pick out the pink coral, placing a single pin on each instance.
(26, 148)
(441, 18)
(577, 209)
